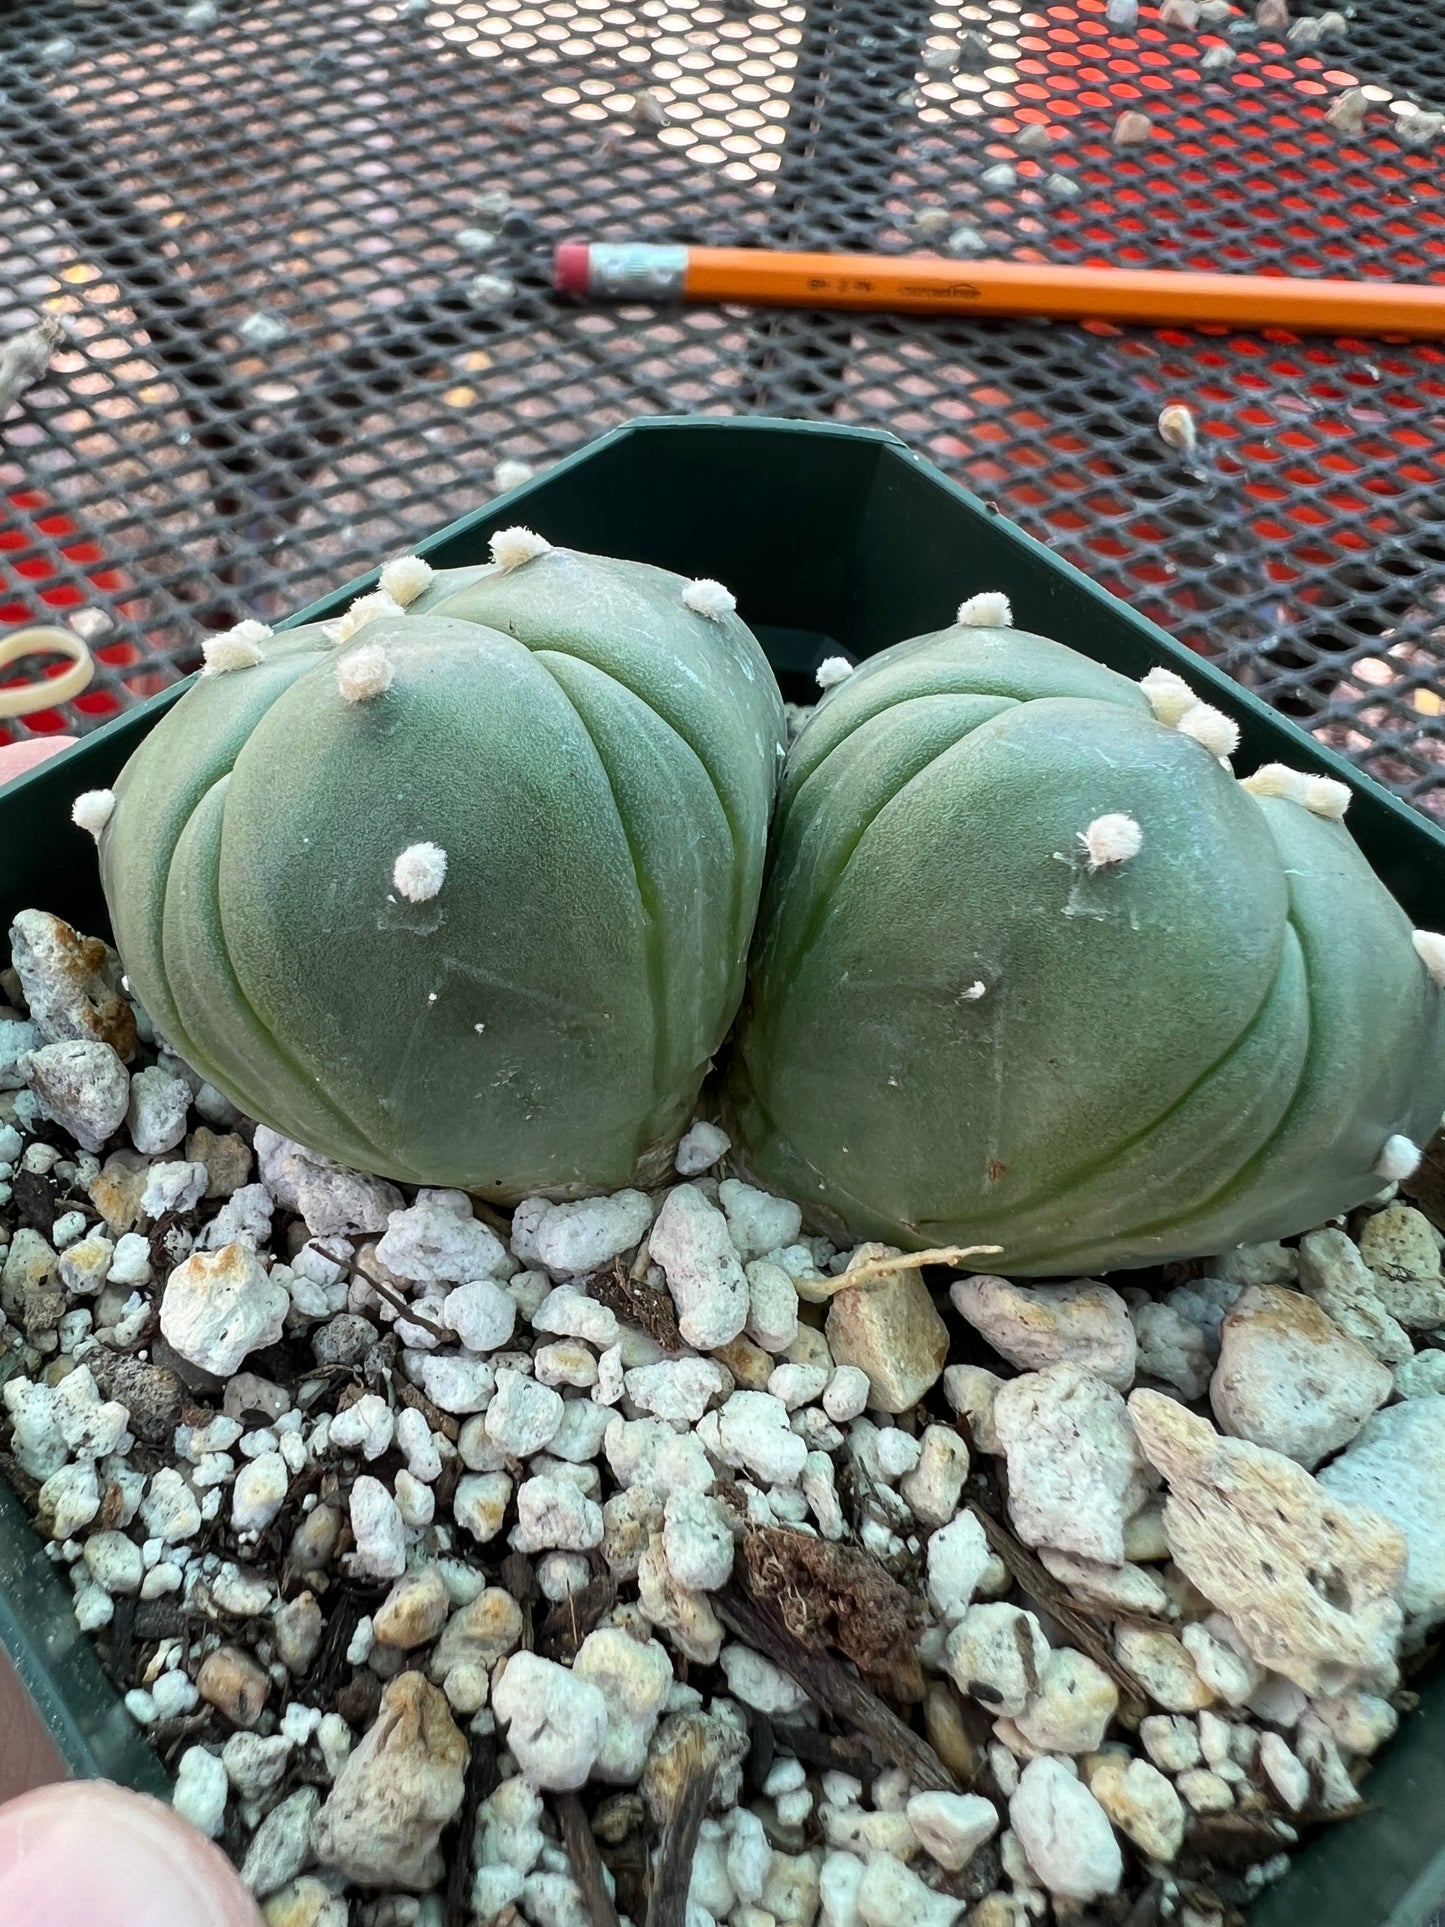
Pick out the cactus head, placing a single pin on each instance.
(459, 889)
(1034, 970)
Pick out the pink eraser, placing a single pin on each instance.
(571, 270)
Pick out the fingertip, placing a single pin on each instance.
(88, 1854)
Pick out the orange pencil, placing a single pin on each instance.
(901, 284)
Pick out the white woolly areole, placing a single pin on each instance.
(1277, 779)
(1430, 949)
(1111, 839)
(989, 609)
(238, 648)
(367, 608)
(1211, 727)
(1169, 696)
(512, 547)
(1325, 797)
(420, 871)
(708, 598)
(831, 671)
(91, 810)
(1399, 1159)
(405, 578)
(365, 673)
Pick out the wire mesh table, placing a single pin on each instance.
(300, 255)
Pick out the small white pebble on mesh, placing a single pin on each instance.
(237, 648)
(1111, 839)
(831, 671)
(1132, 129)
(1211, 727)
(512, 547)
(91, 810)
(1346, 114)
(708, 598)
(405, 578)
(1430, 949)
(1169, 696)
(1400, 1159)
(1176, 427)
(989, 609)
(420, 871)
(365, 673)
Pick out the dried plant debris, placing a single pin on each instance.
(650, 1559)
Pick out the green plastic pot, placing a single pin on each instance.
(833, 540)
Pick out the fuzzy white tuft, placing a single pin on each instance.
(1211, 727)
(1111, 839)
(1176, 428)
(1325, 797)
(1400, 1159)
(708, 598)
(405, 578)
(512, 547)
(376, 607)
(510, 474)
(978, 988)
(1277, 779)
(91, 810)
(989, 609)
(420, 871)
(366, 672)
(831, 671)
(1430, 949)
(238, 648)
(1169, 696)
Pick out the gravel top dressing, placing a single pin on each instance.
(641, 1558)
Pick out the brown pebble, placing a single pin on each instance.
(948, 1734)
(234, 1684)
(116, 1190)
(151, 1394)
(359, 1698)
(314, 1540)
(226, 1156)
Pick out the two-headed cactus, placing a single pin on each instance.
(459, 889)
(1032, 969)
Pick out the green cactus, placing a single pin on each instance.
(1032, 969)
(459, 892)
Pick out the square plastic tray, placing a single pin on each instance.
(833, 539)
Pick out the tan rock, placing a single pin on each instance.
(1074, 1470)
(1141, 1802)
(414, 1611)
(226, 1156)
(890, 1329)
(1164, 1667)
(478, 1634)
(307, 1902)
(1033, 1326)
(749, 1364)
(1332, 1270)
(686, 1617)
(1400, 1249)
(971, 1391)
(401, 1785)
(1289, 1378)
(116, 1190)
(69, 983)
(234, 1684)
(1310, 1584)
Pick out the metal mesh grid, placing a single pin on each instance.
(301, 330)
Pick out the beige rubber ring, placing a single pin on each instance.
(23, 699)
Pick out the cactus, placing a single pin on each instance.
(1032, 969)
(459, 888)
